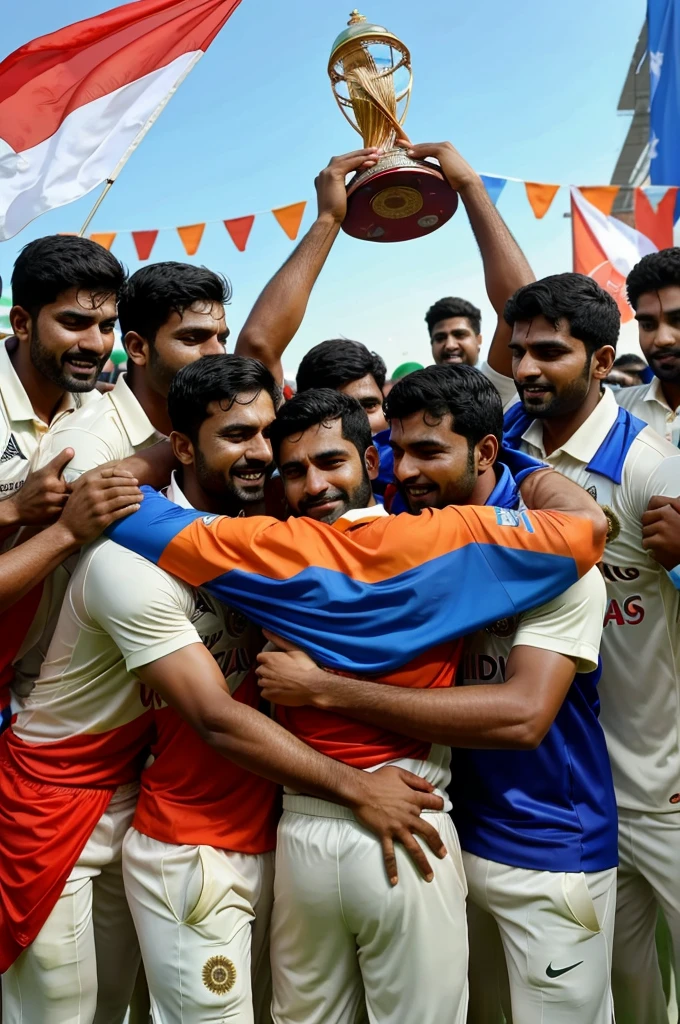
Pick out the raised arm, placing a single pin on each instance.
(505, 266)
(278, 312)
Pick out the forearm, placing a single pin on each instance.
(278, 312)
(29, 563)
(501, 717)
(152, 466)
(547, 489)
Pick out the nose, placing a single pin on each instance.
(213, 347)
(92, 340)
(665, 336)
(315, 482)
(451, 342)
(404, 467)
(259, 449)
(526, 368)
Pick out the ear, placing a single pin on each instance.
(372, 462)
(182, 448)
(602, 361)
(487, 453)
(21, 322)
(137, 348)
(479, 341)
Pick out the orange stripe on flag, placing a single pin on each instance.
(239, 229)
(657, 224)
(540, 196)
(104, 239)
(590, 259)
(144, 243)
(601, 196)
(290, 218)
(191, 235)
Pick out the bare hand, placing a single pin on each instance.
(456, 170)
(331, 193)
(99, 498)
(288, 676)
(661, 531)
(42, 498)
(392, 810)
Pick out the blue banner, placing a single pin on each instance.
(663, 22)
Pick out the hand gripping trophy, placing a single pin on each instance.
(399, 197)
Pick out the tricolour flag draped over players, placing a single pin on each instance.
(606, 249)
(75, 103)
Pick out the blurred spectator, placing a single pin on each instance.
(628, 371)
(401, 371)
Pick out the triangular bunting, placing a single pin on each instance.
(540, 197)
(600, 196)
(290, 218)
(239, 229)
(654, 214)
(191, 235)
(494, 186)
(144, 243)
(105, 238)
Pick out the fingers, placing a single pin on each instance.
(59, 462)
(431, 837)
(278, 641)
(417, 855)
(660, 501)
(113, 469)
(430, 802)
(657, 515)
(415, 781)
(121, 513)
(390, 859)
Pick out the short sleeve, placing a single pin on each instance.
(570, 624)
(91, 450)
(664, 479)
(504, 385)
(145, 611)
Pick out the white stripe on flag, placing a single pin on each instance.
(88, 146)
(622, 245)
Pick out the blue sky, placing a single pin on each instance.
(527, 89)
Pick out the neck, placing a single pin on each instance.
(557, 432)
(154, 405)
(220, 505)
(671, 392)
(484, 487)
(43, 394)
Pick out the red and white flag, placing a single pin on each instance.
(75, 103)
(606, 249)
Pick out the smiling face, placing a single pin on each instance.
(454, 341)
(71, 338)
(552, 370)
(370, 398)
(323, 474)
(658, 317)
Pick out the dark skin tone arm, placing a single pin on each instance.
(278, 312)
(388, 801)
(661, 531)
(512, 716)
(547, 489)
(505, 266)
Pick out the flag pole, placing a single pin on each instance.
(133, 145)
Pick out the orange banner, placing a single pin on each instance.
(104, 238)
(540, 197)
(191, 235)
(290, 218)
(239, 229)
(144, 243)
(601, 196)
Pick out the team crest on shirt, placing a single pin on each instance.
(504, 628)
(219, 975)
(207, 520)
(12, 451)
(592, 491)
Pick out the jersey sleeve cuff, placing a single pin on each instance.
(585, 655)
(161, 650)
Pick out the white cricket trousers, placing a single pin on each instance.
(81, 967)
(540, 944)
(346, 946)
(202, 916)
(649, 879)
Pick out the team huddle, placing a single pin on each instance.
(344, 707)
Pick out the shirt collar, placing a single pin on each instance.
(359, 515)
(585, 442)
(655, 393)
(136, 423)
(173, 492)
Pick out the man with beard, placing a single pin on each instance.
(536, 816)
(564, 332)
(455, 329)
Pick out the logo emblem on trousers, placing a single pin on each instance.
(556, 972)
(219, 975)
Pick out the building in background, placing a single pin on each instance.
(632, 166)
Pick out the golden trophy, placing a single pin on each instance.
(399, 197)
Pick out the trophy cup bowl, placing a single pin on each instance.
(399, 197)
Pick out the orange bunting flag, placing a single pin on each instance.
(540, 197)
(290, 218)
(144, 243)
(601, 197)
(105, 238)
(239, 229)
(191, 235)
(655, 220)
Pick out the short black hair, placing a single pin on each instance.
(463, 391)
(450, 306)
(590, 311)
(215, 379)
(155, 292)
(321, 405)
(48, 266)
(657, 270)
(629, 359)
(337, 362)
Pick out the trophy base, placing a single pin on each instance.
(398, 199)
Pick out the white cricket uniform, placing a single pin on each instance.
(640, 691)
(198, 862)
(538, 832)
(649, 403)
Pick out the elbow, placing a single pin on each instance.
(529, 734)
(600, 526)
